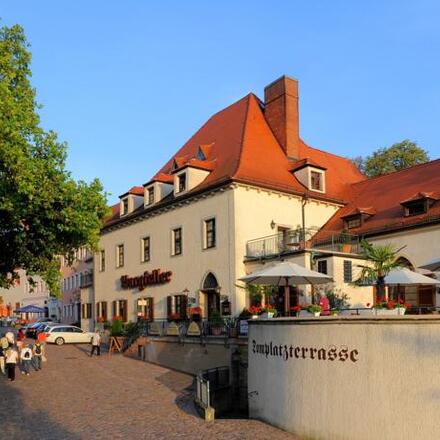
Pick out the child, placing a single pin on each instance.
(26, 359)
(11, 362)
(37, 354)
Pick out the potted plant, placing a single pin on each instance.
(296, 310)
(232, 325)
(390, 307)
(268, 312)
(217, 323)
(315, 309)
(254, 311)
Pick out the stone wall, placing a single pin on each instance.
(347, 377)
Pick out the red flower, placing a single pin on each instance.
(254, 310)
(296, 308)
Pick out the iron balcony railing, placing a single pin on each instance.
(86, 280)
(295, 240)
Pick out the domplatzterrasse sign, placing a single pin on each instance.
(286, 352)
(147, 279)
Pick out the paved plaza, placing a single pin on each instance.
(111, 397)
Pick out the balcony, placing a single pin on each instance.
(292, 241)
(86, 280)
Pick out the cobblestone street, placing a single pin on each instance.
(111, 397)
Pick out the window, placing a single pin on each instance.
(145, 308)
(145, 249)
(316, 181)
(353, 222)
(176, 306)
(120, 255)
(86, 310)
(102, 260)
(348, 271)
(210, 236)
(177, 241)
(322, 266)
(181, 182)
(124, 206)
(416, 208)
(200, 154)
(101, 310)
(151, 195)
(120, 309)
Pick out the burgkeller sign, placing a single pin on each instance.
(147, 279)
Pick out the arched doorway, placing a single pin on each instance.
(211, 289)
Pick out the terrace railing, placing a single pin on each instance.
(294, 240)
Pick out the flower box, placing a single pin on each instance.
(387, 312)
(267, 315)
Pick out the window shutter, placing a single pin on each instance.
(89, 310)
(104, 310)
(98, 312)
(123, 306)
(150, 309)
(183, 305)
(169, 305)
(115, 312)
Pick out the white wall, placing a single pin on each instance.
(392, 391)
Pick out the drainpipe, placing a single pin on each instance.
(304, 201)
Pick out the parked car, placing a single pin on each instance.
(67, 334)
(33, 331)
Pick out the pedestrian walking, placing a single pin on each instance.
(20, 339)
(96, 343)
(10, 338)
(11, 362)
(2, 360)
(4, 343)
(37, 355)
(26, 359)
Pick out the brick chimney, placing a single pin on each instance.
(281, 113)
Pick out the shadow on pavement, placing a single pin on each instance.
(20, 421)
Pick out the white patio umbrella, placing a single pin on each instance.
(403, 276)
(433, 265)
(406, 277)
(286, 274)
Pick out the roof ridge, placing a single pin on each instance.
(369, 179)
(243, 133)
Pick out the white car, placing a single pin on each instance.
(67, 334)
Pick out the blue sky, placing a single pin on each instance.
(126, 83)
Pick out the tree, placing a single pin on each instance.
(44, 212)
(380, 259)
(399, 156)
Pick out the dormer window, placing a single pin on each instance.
(353, 222)
(416, 208)
(181, 182)
(419, 203)
(200, 155)
(124, 206)
(151, 195)
(310, 174)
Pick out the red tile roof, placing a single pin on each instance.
(384, 195)
(420, 196)
(135, 190)
(241, 142)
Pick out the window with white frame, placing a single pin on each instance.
(316, 180)
(210, 238)
(181, 182)
(150, 194)
(120, 255)
(177, 242)
(124, 206)
(145, 249)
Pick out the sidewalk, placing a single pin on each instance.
(111, 397)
